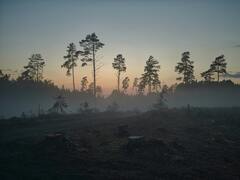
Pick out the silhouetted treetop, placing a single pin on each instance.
(34, 68)
(84, 83)
(207, 75)
(91, 44)
(120, 66)
(185, 67)
(219, 66)
(150, 77)
(119, 63)
(71, 61)
(71, 58)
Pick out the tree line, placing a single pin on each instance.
(149, 79)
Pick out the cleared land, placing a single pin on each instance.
(177, 144)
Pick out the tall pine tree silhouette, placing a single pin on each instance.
(91, 44)
(219, 66)
(71, 61)
(34, 69)
(185, 67)
(150, 77)
(119, 65)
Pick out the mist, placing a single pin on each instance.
(119, 90)
(19, 97)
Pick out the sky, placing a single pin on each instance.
(134, 28)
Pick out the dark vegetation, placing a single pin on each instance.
(30, 94)
(188, 143)
(31, 98)
(189, 130)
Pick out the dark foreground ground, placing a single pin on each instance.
(178, 144)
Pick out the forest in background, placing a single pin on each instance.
(30, 94)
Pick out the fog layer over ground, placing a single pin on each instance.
(31, 98)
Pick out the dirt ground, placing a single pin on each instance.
(175, 144)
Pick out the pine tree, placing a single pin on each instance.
(119, 65)
(186, 68)
(125, 84)
(91, 44)
(150, 77)
(84, 83)
(25, 75)
(156, 83)
(34, 69)
(71, 61)
(219, 66)
(207, 75)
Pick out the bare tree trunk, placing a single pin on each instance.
(118, 81)
(94, 73)
(73, 79)
(218, 74)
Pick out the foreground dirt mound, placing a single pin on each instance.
(56, 143)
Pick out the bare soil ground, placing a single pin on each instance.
(177, 144)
